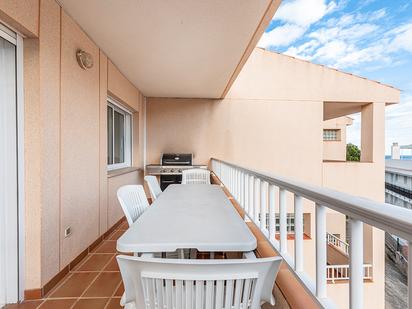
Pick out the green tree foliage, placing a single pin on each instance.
(352, 152)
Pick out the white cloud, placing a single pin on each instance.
(402, 39)
(297, 16)
(332, 51)
(281, 36)
(354, 39)
(399, 123)
(303, 50)
(304, 12)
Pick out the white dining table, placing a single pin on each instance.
(189, 216)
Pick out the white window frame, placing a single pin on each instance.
(128, 133)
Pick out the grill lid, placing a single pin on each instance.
(177, 159)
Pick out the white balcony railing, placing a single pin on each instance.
(335, 273)
(337, 242)
(255, 193)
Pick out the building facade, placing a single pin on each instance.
(398, 182)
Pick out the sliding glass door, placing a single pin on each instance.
(8, 169)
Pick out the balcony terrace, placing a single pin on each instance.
(99, 92)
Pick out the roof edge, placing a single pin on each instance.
(330, 68)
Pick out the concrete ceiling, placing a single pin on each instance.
(175, 48)
(332, 110)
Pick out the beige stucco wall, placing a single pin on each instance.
(119, 87)
(66, 180)
(336, 150)
(287, 78)
(49, 66)
(241, 131)
(21, 15)
(80, 127)
(33, 164)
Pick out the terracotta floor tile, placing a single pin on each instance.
(120, 290)
(58, 303)
(94, 262)
(75, 285)
(124, 226)
(104, 285)
(113, 265)
(107, 246)
(114, 303)
(91, 303)
(25, 305)
(115, 235)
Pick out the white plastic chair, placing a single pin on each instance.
(196, 176)
(154, 187)
(133, 200)
(178, 284)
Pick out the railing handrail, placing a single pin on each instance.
(341, 272)
(393, 219)
(346, 266)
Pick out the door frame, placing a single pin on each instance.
(15, 292)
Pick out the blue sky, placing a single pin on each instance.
(369, 38)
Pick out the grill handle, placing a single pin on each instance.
(176, 163)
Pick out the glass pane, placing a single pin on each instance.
(109, 135)
(118, 137)
(330, 135)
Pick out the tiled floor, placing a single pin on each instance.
(95, 283)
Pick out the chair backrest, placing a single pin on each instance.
(180, 284)
(154, 187)
(133, 200)
(196, 176)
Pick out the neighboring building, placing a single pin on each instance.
(398, 191)
(398, 182)
(334, 138)
(395, 151)
(167, 78)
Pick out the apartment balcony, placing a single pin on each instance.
(95, 279)
(96, 93)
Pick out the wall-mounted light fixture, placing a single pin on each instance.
(84, 59)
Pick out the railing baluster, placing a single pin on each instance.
(235, 184)
(320, 251)
(239, 180)
(231, 179)
(238, 185)
(263, 204)
(251, 196)
(256, 203)
(272, 214)
(283, 221)
(410, 276)
(246, 189)
(242, 189)
(298, 233)
(356, 264)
